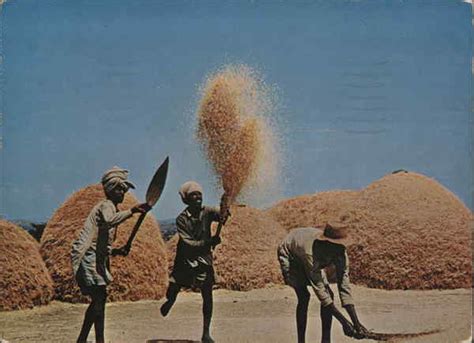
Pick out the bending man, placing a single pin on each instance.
(303, 255)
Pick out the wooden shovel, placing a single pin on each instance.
(153, 193)
(224, 208)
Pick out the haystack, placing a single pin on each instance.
(313, 209)
(246, 258)
(410, 232)
(24, 279)
(140, 275)
(413, 234)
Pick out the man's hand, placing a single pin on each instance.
(347, 326)
(224, 216)
(122, 251)
(360, 331)
(224, 206)
(141, 208)
(215, 240)
(348, 329)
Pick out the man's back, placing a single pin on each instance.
(299, 241)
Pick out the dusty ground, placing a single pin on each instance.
(265, 315)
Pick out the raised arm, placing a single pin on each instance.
(111, 217)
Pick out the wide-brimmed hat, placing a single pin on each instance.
(336, 232)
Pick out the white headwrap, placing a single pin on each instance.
(115, 177)
(189, 187)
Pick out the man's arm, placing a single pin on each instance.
(319, 287)
(344, 287)
(360, 330)
(343, 281)
(111, 217)
(213, 213)
(217, 214)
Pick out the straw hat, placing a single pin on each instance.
(336, 232)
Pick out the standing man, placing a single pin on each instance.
(303, 255)
(90, 252)
(193, 266)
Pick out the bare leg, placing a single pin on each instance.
(94, 315)
(302, 312)
(99, 321)
(326, 320)
(207, 304)
(171, 295)
(326, 323)
(87, 324)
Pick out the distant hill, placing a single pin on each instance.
(35, 229)
(168, 228)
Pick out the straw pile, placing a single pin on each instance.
(171, 246)
(413, 234)
(410, 232)
(235, 131)
(140, 275)
(246, 258)
(24, 279)
(313, 209)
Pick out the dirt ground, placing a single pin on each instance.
(264, 315)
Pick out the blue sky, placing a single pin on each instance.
(364, 88)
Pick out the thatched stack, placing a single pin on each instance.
(246, 258)
(140, 275)
(410, 232)
(24, 279)
(313, 209)
(413, 233)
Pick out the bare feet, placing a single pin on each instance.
(165, 308)
(207, 339)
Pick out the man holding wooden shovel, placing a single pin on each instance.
(193, 265)
(90, 252)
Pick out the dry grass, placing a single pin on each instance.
(237, 138)
(410, 232)
(140, 275)
(24, 279)
(413, 234)
(313, 209)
